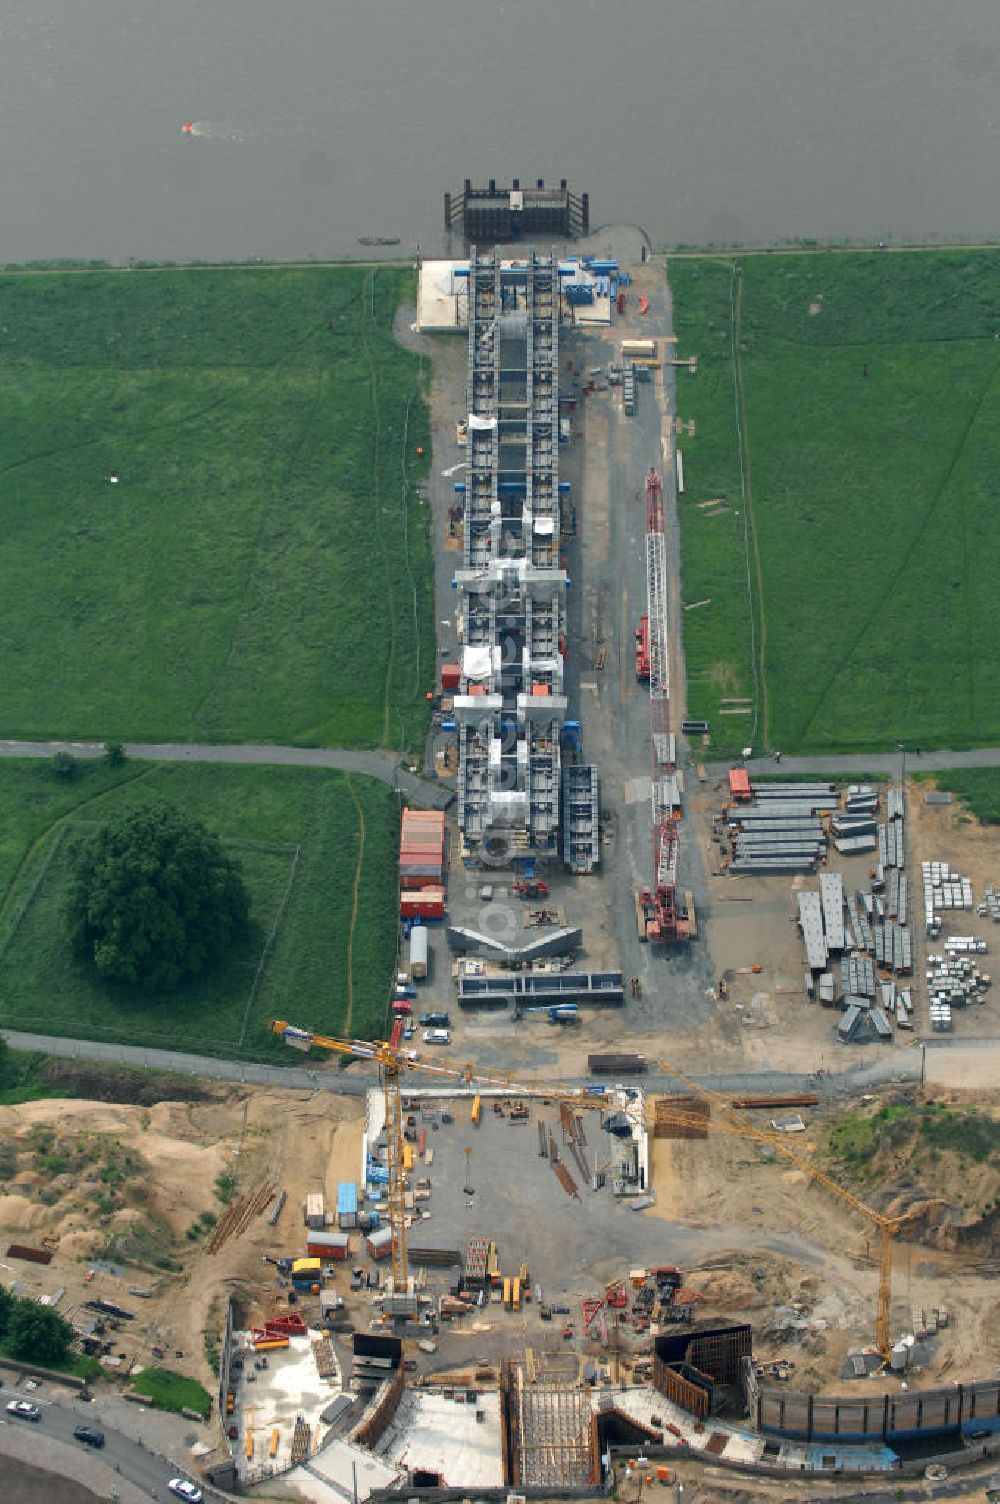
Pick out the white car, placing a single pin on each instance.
(24, 1410)
(185, 1490)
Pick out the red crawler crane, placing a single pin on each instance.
(658, 912)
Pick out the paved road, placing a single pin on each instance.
(871, 1069)
(382, 765)
(61, 1412)
(857, 763)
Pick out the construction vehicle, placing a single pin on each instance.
(530, 889)
(392, 1060)
(559, 1013)
(727, 1120)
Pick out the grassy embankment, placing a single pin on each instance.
(172, 1391)
(260, 571)
(871, 416)
(264, 814)
(949, 1152)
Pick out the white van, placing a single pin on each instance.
(437, 1036)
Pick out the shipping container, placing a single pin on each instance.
(515, 1294)
(315, 1211)
(451, 676)
(407, 1158)
(328, 1245)
(617, 1064)
(506, 1293)
(272, 1450)
(305, 1268)
(477, 1111)
(347, 1204)
(639, 349)
(418, 952)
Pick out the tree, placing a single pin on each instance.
(154, 899)
(38, 1333)
(114, 754)
(64, 765)
(7, 1304)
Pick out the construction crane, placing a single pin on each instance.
(392, 1060)
(730, 1122)
(660, 915)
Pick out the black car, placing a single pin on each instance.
(89, 1436)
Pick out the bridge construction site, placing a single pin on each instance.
(638, 1184)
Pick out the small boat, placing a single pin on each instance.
(378, 240)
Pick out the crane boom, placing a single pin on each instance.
(392, 1061)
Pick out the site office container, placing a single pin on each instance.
(379, 1244)
(451, 676)
(423, 903)
(413, 885)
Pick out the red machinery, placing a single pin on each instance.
(530, 889)
(658, 912)
(642, 650)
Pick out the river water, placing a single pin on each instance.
(319, 121)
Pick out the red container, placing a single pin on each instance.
(451, 676)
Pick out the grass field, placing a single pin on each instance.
(332, 909)
(858, 576)
(261, 571)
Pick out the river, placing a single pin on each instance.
(316, 122)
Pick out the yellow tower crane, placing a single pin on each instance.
(392, 1061)
(731, 1122)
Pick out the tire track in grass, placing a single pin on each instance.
(355, 888)
(886, 593)
(389, 606)
(755, 597)
(35, 845)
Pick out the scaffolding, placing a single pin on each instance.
(552, 1434)
(511, 705)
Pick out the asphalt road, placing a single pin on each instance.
(61, 1414)
(384, 766)
(873, 1067)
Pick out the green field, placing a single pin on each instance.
(261, 570)
(323, 922)
(851, 566)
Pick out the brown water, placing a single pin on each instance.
(319, 121)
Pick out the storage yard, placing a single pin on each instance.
(645, 1163)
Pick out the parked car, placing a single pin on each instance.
(185, 1490)
(89, 1435)
(437, 1036)
(434, 1020)
(24, 1410)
